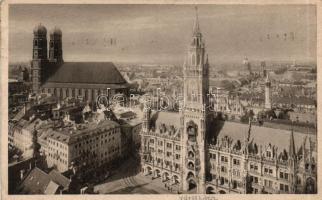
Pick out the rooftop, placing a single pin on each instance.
(69, 135)
(39, 182)
(85, 72)
(262, 135)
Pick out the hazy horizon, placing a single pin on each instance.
(161, 33)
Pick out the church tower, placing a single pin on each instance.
(55, 46)
(195, 114)
(268, 103)
(39, 56)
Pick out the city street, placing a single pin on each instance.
(128, 180)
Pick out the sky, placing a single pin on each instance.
(161, 33)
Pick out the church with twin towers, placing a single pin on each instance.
(193, 152)
(50, 73)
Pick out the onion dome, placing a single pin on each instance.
(56, 31)
(40, 30)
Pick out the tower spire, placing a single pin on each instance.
(207, 61)
(292, 144)
(196, 28)
(267, 78)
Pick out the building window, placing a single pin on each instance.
(268, 154)
(223, 169)
(286, 176)
(236, 162)
(169, 145)
(178, 147)
(193, 59)
(286, 188)
(266, 170)
(255, 179)
(177, 156)
(224, 159)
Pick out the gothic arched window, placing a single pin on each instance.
(86, 94)
(198, 59)
(193, 59)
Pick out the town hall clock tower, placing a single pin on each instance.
(195, 114)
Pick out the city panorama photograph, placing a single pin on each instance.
(162, 99)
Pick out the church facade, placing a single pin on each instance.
(86, 80)
(193, 152)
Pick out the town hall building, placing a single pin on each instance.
(194, 152)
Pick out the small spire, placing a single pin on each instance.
(249, 129)
(292, 144)
(196, 28)
(267, 77)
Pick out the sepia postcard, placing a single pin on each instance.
(184, 100)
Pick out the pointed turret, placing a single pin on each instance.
(249, 129)
(292, 153)
(267, 78)
(207, 61)
(268, 103)
(196, 28)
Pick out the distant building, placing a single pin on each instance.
(268, 102)
(17, 92)
(263, 69)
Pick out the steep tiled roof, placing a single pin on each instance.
(262, 135)
(59, 179)
(35, 183)
(51, 188)
(168, 118)
(39, 182)
(85, 72)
